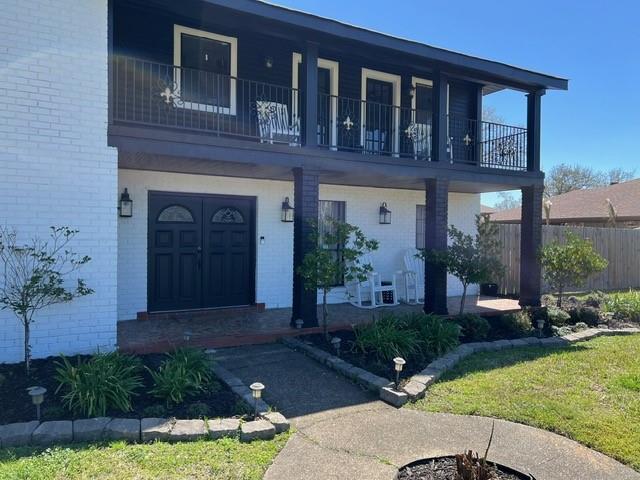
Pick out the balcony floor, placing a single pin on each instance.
(231, 327)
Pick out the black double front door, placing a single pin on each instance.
(201, 251)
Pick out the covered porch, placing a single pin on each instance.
(242, 326)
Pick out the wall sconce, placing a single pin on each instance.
(411, 91)
(287, 211)
(268, 62)
(126, 204)
(385, 214)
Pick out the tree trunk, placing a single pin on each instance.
(559, 302)
(464, 297)
(27, 346)
(325, 315)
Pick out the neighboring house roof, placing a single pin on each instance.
(347, 31)
(486, 209)
(587, 205)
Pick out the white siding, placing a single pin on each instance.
(274, 269)
(55, 166)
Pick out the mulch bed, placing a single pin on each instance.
(367, 362)
(370, 363)
(17, 407)
(445, 469)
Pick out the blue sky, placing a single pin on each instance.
(595, 44)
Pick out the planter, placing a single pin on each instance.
(444, 468)
(489, 289)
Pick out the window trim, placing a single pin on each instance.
(396, 81)
(178, 30)
(334, 72)
(340, 247)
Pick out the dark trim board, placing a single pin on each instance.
(199, 247)
(165, 150)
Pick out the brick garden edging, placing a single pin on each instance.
(150, 429)
(417, 385)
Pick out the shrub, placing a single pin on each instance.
(624, 305)
(184, 373)
(105, 381)
(560, 331)
(513, 325)
(588, 315)
(155, 411)
(198, 410)
(386, 338)
(470, 259)
(570, 264)
(595, 299)
(556, 316)
(436, 335)
(473, 327)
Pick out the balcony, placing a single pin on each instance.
(162, 95)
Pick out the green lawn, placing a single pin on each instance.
(589, 392)
(222, 459)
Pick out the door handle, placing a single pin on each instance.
(199, 250)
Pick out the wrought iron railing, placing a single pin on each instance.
(487, 144)
(157, 94)
(349, 124)
(167, 95)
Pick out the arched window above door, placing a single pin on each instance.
(175, 214)
(227, 215)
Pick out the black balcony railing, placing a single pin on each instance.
(166, 95)
(348, 124)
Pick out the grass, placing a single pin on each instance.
(226, 459)
(589, 392)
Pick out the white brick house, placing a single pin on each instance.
(206, 112)
(55, 165)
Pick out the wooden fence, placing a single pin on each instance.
(621, 247)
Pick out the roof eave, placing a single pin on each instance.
(527, 78)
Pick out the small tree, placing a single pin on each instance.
(471, 259)
(33, 276)
(570, 264)
(320, 269)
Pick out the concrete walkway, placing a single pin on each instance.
(343, 432)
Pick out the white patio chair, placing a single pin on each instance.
(413, 277)
(274, 125)
(371, 290)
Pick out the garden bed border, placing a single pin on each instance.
(416, 386)
(137, 430)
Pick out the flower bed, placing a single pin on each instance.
(217, 400)
(418, 338)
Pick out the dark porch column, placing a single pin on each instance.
(306, 208)
(310, 94)
(534, 101)
(440, 120)
(530, 242)
(435, 238)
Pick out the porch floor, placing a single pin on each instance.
(225, 328)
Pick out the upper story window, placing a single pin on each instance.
(208, 65)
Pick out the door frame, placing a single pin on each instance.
(396, 81)
(252, 247)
